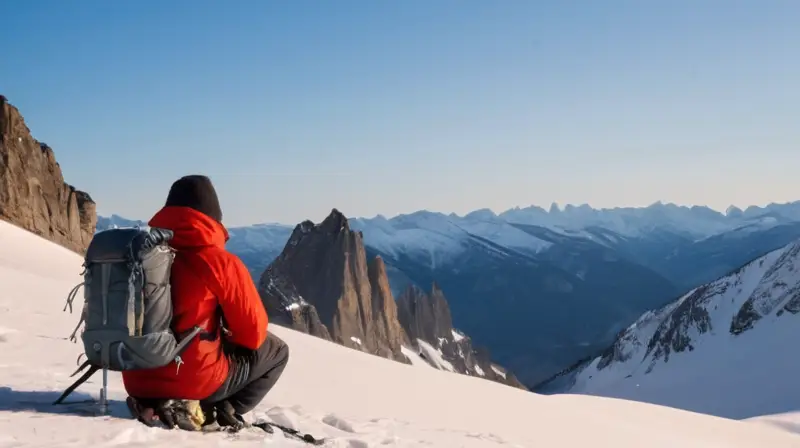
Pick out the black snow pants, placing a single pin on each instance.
(252, 374)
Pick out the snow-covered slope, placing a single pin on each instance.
(696, 221)
(725, 348)
(356, 399)
(439, 238)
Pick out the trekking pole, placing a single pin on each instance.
(104, 393)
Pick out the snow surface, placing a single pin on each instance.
(498, 371)
(356, 399)
(435, 356)
(457, 336)
(739, 376)
(438, 238)
(788, 421)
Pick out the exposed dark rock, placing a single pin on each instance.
(424, 316)
(765, 299)
(321, 284)
(427, 321)
(673, 334)
(384, 307)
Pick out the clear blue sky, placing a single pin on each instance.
(295, 107)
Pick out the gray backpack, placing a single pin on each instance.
(127, 307)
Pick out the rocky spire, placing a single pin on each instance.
(384, 307)
(323, 271)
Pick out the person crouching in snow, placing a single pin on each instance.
(229, 369)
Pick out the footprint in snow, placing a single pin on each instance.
(5, 332)
(355, 443)
(338, 423)
(283, 416)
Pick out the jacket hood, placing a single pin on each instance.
(191, 228)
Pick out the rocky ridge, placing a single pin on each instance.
(321, 284)
(33, 194)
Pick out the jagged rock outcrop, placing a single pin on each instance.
(33, 194)
(321, 284)
(424, 316)
(428, 324)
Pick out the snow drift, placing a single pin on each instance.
(355, 399)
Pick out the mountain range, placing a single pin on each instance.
(543, 289)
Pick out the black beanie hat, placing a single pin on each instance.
(197, 192)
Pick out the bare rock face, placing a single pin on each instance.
(424, 316)
(321, 284)
(384, 308)
(33, 194)
(427, 322)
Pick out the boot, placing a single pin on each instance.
(184, 414)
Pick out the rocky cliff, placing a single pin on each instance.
(33, 194)
(428, 324)
(321, 284)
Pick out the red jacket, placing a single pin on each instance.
(204, 367)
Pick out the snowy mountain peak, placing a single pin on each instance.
(698, 345)
(733, 212)
(481, 214)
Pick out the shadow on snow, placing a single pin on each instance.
(77, 404)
